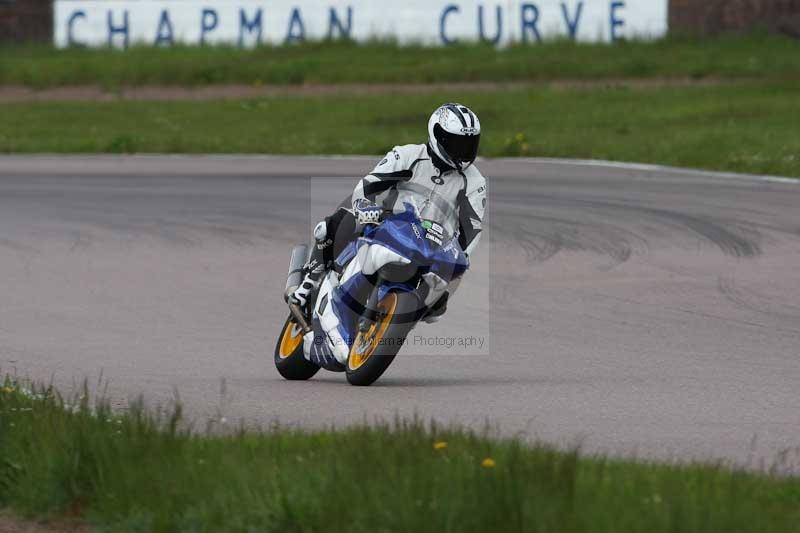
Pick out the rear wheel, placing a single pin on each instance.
(289, 358)
(373, 350)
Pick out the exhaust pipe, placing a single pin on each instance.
(293, 279)
(295, 276)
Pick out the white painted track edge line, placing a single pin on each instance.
(647, 167)
(597, 163)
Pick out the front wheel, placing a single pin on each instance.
(373, 350)
(289, 358)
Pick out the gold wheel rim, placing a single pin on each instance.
(367, 341)
(291, 339)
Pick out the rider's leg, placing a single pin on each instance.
(438, 308)
(330, 235)
(314, 269)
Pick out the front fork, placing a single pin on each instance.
(370, 314)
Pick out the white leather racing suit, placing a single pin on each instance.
(455, 199)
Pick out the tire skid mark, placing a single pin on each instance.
(733, 237)
(506, 292)
(736, 240)
(16, 246)
(701, 314)
(753, 301)
(542, 237)
(176, 232)
(82, 241)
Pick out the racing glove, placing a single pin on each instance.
(367, 212)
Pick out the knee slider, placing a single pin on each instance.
(321, 231)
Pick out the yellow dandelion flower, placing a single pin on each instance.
(439, 445)
(488, 463)
(8, 390)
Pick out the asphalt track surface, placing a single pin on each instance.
(633, 310)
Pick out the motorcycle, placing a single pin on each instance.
(381, 285)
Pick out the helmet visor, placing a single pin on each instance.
(461, 149)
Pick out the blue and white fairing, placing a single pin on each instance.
(402, 239)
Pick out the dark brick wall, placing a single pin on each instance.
(26, 20)
(717, 16)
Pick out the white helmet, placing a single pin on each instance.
(455, 132)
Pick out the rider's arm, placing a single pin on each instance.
(471, 206)
(389, 172)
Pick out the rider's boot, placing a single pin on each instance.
(315, 269)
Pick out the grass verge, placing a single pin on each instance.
(750, 127)
(138, 472)
(757, 56)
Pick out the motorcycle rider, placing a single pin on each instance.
(444, 166)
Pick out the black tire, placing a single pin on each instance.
(292, 364)
(403, 319)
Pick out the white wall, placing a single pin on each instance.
(125, 22)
